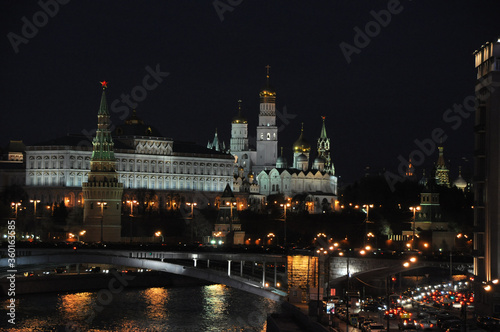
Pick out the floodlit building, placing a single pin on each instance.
(487, 178)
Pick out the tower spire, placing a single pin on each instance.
(323, 128)
(103, 107)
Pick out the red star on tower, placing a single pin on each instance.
(104, 84)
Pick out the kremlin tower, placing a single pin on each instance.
(102, 193)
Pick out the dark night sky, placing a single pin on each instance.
(394, 91)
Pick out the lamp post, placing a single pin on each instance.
(159, 234)
(15, 206)
(102, 205)
(35, 201)
(231, 204)
(367, 221)
(414, 209)
(192, 205)
(132, 203)
(132, 206)
(284, 206)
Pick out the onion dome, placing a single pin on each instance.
(239, 118)
(301, 145)
(267, 94)
(281, 161)
(302, 158)
(319, 160)
(460, 183)
(319, 163)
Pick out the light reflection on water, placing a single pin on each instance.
(200, 308)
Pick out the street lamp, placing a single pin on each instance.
(231, 204)
(15, 206)
(284, 206)
(192, 205)
(103, 206)
(35, 201)
(270, 237)
(132, 206)
(367, 221)
(414, 209)
(158, 234)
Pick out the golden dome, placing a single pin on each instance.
(267, 94)
(239, 118)
(301, 145)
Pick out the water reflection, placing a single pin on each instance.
(74, 307)
(201, 308)
(156, 300)
(214, 301)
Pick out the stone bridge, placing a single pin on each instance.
(221, 268)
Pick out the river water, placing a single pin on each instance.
(195, 308)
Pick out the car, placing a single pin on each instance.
(426, 324)
(391, 313)
(406, 324)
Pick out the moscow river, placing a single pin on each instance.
(193, 308)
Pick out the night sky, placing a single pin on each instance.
(396, 88)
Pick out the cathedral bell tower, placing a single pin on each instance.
(267, 131)
(102, 193)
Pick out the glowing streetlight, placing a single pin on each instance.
(414, 209)
(159, 234)
(15, 206)
(284, 206)
(103, 206)
(132, 203)
(34, 201)
(192, 205)
(231, 204)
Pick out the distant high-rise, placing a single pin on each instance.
(487, 177)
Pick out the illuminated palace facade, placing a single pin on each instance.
(173, 172)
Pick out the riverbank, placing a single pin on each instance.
(72, 282)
